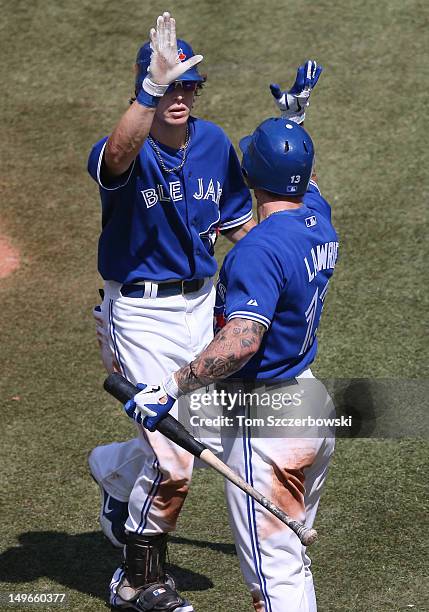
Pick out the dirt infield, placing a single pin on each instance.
(9, 257)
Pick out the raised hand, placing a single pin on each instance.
(165, 66)
(293, 102)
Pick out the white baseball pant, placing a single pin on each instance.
(291, 472)
(145, 339)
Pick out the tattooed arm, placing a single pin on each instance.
(228, 352)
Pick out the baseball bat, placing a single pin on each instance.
(123, 390)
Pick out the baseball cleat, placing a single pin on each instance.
(113, 513)
(160, 597)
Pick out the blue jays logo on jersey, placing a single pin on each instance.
(208, 191)
(172, 192)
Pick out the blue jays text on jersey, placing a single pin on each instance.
(158, 226)
(278, 275)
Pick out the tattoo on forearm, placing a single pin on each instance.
(228, 352)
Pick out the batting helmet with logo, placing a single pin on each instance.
(278, 157)
(185, 52)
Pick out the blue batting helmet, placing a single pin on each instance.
(278, 157)
(185, 52)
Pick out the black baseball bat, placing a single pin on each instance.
(123, 390)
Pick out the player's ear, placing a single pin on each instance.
(136, 69)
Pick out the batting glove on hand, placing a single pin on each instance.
(149, 406)
(293, 103)
(165, 66)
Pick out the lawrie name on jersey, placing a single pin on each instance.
(323, 257)
(152, 195)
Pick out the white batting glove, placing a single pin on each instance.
(293, 103)
(165, 66)
(150, 405)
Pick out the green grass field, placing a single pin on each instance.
(66, 75)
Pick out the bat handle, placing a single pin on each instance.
(123, 390)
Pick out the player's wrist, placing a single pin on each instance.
(299, 119)
(154, 89)
(150, 93)
(171, 387)
(146, 99)
(293, 107)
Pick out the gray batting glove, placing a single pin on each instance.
(165, 66)
(293, 103)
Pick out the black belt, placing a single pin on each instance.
(164, 289)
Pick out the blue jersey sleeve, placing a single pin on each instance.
(315, 201)
(252, 292)
(235, 204)
(95, 161)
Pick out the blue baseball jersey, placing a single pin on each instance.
(278, 275)
(158, 226)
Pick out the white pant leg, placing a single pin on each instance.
(315, 477)
(150, 338)
(291, 472)
(117, 466)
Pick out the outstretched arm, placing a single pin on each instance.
(293, 103)
(228, 352)
(134, 126)
(127, 139)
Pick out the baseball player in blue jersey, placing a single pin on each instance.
(168, 183)
(270, 295)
